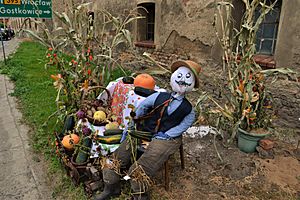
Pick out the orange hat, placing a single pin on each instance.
(144, 81)
(194, 67)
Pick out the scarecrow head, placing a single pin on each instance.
(185, 76)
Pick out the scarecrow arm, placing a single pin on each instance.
(146, 105)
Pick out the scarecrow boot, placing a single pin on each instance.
(144, 196)
(140, 191)
(112, 185)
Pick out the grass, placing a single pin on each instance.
(34, 88)
(36, 93)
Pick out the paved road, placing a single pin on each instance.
(9, 47)
(20, 176)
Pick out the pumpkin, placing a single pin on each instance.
(144, 81)
(99, 115)
(69, 141)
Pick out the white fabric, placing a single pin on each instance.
(182, 80)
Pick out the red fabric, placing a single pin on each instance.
(119, 98)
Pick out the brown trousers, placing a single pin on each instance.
(153, 158)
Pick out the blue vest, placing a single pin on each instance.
(167, 121)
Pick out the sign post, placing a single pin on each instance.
(2, 43)
(26, 8)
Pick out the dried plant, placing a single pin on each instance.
(138, 175)
(84, 46)
(110, 163)
(247, 101)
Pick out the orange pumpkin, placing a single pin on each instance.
(70, 140)
(144, 81)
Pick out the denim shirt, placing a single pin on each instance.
(173, 105)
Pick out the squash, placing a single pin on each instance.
(82, 155)
(70, 140)
(112, 139)
(111, 125)
(141, 135)
(69, 125)
(144, 81)
(109, 132)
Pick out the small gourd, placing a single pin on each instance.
(99, 115)
(112, 125)
(70, 140)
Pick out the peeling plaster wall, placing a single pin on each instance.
(287, 54)
(186, 26)
(182, 26)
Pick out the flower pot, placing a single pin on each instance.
(247, 142)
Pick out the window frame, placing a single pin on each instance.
(148, 37)
(261, 38)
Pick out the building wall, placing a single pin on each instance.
(185, 26)
(287, 52)
(182, 26)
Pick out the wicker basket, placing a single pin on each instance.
(105, 106)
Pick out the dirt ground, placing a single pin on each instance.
(240, 176)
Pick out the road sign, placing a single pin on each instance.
(26, 8)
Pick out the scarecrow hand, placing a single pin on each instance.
(162, 136)
(132, 114)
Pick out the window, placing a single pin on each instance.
(145, 26)
(150, 22)
(266, 36)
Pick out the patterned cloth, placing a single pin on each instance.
(124, 100)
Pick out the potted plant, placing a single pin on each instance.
(248, 105)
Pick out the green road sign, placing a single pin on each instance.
(26, 8)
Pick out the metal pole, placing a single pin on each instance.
(3, 49)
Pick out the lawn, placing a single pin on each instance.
(34, 88)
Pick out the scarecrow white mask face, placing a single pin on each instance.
(182, 80)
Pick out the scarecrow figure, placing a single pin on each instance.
(166, 116)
